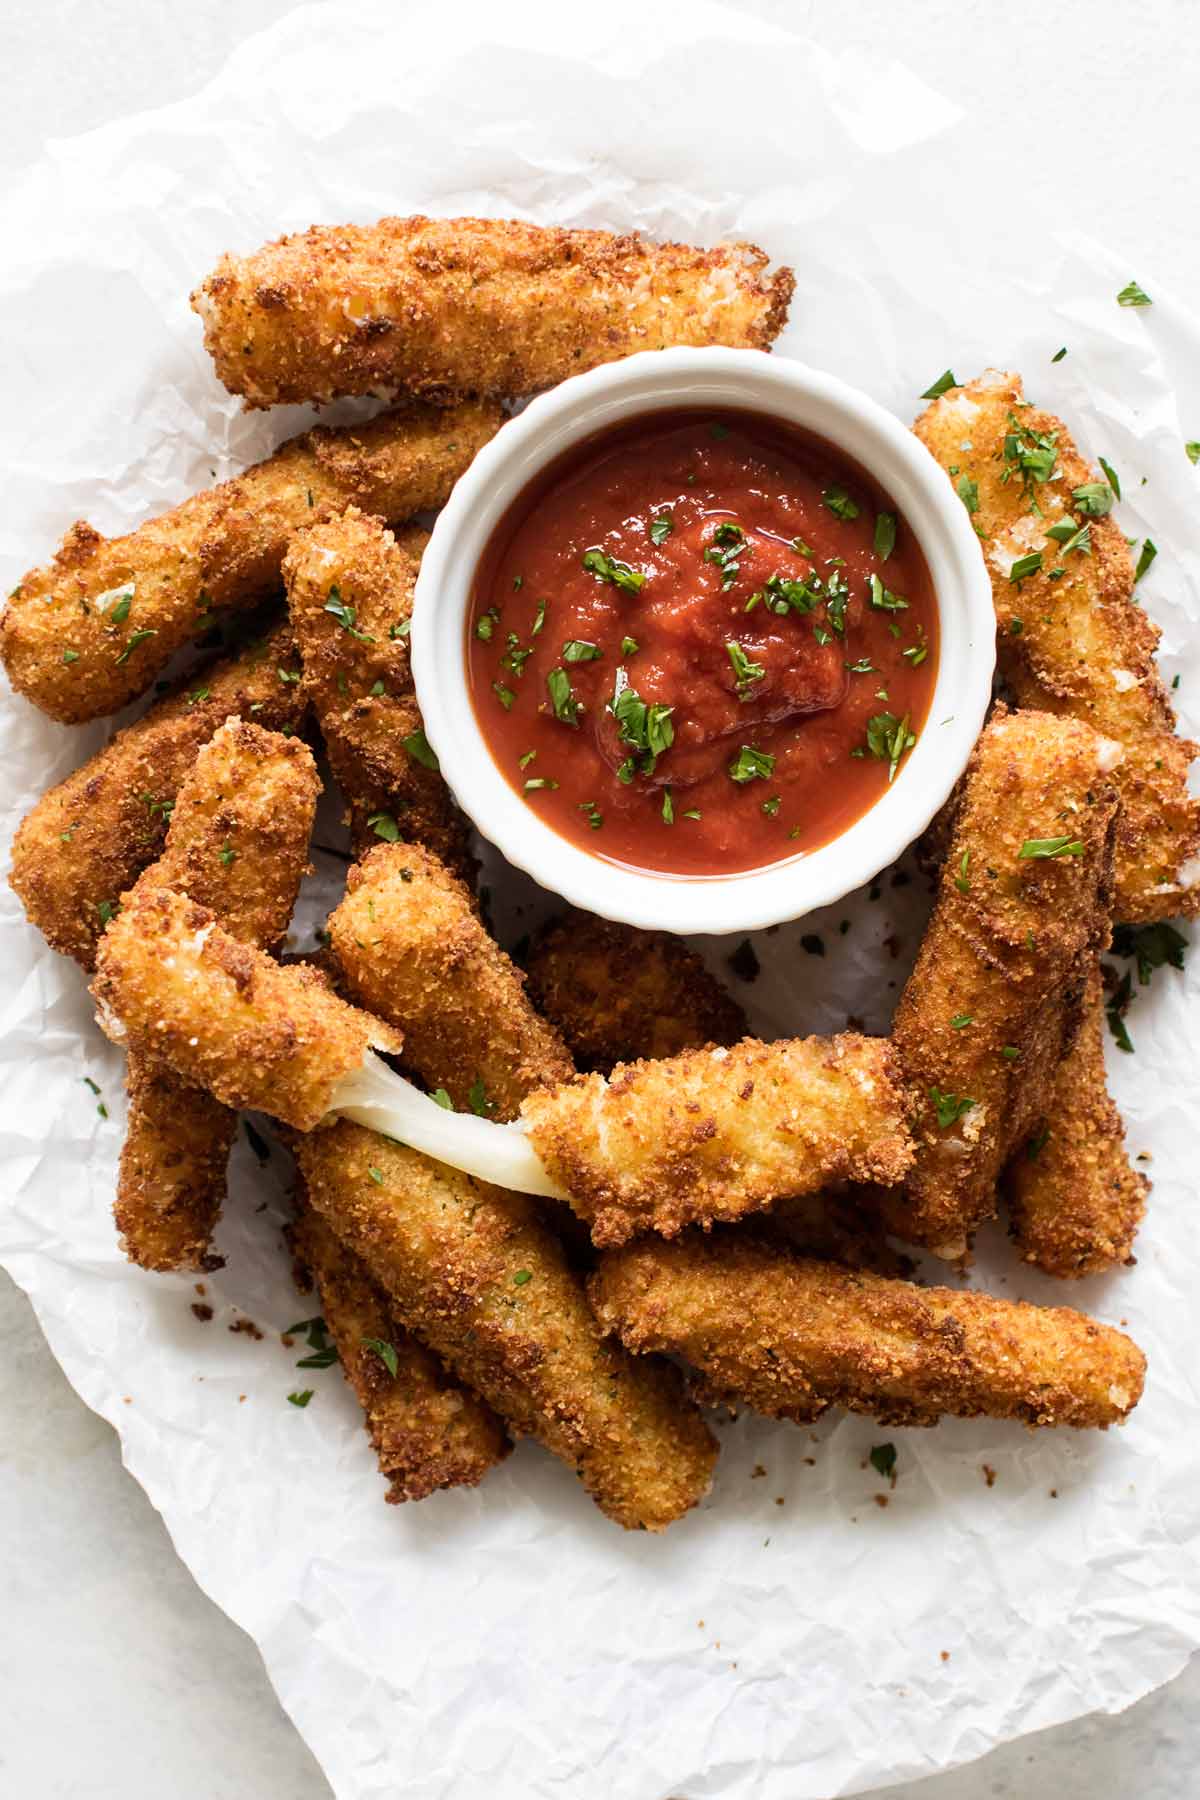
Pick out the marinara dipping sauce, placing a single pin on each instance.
(702, 642)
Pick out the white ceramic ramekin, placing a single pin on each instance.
(798, 395)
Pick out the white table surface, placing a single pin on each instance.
(118, 1675)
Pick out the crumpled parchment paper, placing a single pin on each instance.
(792, 1638)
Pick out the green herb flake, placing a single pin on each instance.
(376, 1175)
(523, 762)
(420, 749)
(771, 807)
(70, 656)
(522, 1277)
(950, 1108)
(647, 729)
(540, 783)
(1132, 295)
(915, 654)
(504, 695)
(941, 386)
(839, 502)
(485, 625)
(661, 528)
(960, 1021)
(968, 493)
(692, 814)
(577, 650)
(1113, 480)
(882, 598)
(1114, 1013)
(139, 637)
(1094, 498)
(882, 1458)
(539, 620)
(746, 672)
(385, 1352)
(751, 765)
(1148, 554)
(385, 827)
(441, 1098)
(1025, 566)
(1059, 354)
(518, 583)
(961, 880)
(628, 646)
(1151, 946)
(885, 535)
(1042, 848)
(592, 813)
(345, 616)
(668, 808)
(889, 738)
(1192, 447)
(567, 707)
(302, 1398)
(611, 569)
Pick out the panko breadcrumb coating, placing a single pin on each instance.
(413, 949)
(473, 1271)
(89, 631)
(259, 1037)
(427, 1430)
(88, 839)
(1075, 643)
(617, 994)
(791, 1337)
(994, 1000)
(237, 843)
(1074, 1200)
(350, 588)
(442, 307)
(719, 1133)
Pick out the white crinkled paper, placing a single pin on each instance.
(790, 1639)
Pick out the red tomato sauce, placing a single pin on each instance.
(702, 642)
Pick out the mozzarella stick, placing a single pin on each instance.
(238, 844)
(427, 1429)
(473, 1271)
(261, 1038)
(616, 994)
(440, 307)
(1074, 1200)
(88, 839)
(720, 1133)
(414, 951)
(790, 1337)
(350, 588)
(1072, 639)
(89, 631)
(994, 999)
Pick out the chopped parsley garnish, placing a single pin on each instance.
(882, 1458)
(577, 650)
(1094, 498)
(303, 1397)
(536, 783)
(941, 386)
(1059, 354)
(752, 765)
(592, 813)
(1025, 566)
(514, 657)
(1132, 295)
(523, 762)
(882, 598)
(1113, 480)
(885, 535)
(960, 1021)
(611, 569)
(915, 654)
(1114, 1012)
(646, 729)
(1047, 847)
(522, 1276)
(120, 611)
(783, 595)
(345, 616)
(403, 627)
(107, 910)
(486, 623)
(1149, 552)
(661, 528)
(70, 656)
(1192, 448)
(375, 1174)
(504, 695)
(139, 637)
(385, 827)
(839, 502)
(771, 807)
(88, 1082)
(518, 583)
(864, 666)
(228, 854)
(729, 541)
(289, 677)
(385, 1352)
(950, 1108)
(324, 1354)
(745, 671)
(441, 1098)
(1151, 946)
(692, 814)
(567, 707)
(420, 749)
(1031, 454)
(668, 808)
(539, 620)
(1071, 537)
(968, 493)
(628, 646)
(477, 1098)
(888, 738)
(961, 880)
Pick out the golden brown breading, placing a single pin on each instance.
(1078, 644)
(716, 1134)
(88, 839)
(472, 1270)
(617, 994)
(791, 1337)
(470, 306)
(426, 1428)
(359, 681)
(90, 630)
(1074, 1200)
(994, 999)
(412, 948)
(237, 843)
(225, 1015)
(835, 1225)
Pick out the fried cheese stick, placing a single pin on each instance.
(1074, 1200)
(719, 1133)
(414, 951)
(791, 1337)
(350, 589)
(476, 1274)
(427, 1430)
(90, 630)
(88, 839)
(227, 1017)
(994, 1000)
(238, 844)
(441, 307)
(1074, 642)
(617, 994)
